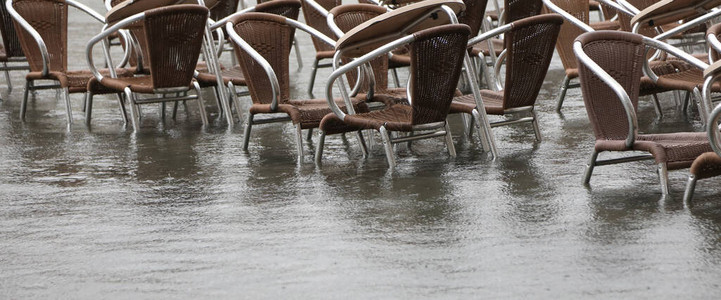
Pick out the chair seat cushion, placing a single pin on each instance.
(678, 150)
(388, 97)
(706, 165)
(234, 74)
(605, 25)
(307, 113)
(77, 81)
(492, 100)
(139, 84)
(482, 47)
(394, 118)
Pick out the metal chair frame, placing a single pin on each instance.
(19, 63)
(628, 106)
(166, 94)
(431, 130)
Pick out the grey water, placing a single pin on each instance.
(181, 211)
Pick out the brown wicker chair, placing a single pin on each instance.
(529, 46)
(431, 89)
(10, 51)
(176, 33)
(263, 44)
(610, 69)
(42, 30)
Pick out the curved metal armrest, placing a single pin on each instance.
(688, 25)
(382, 50)
(714, 45)
(617, 89)
(275, 85)
(103, 35)
(568, 17)
(660, 45)
(712, 130)
(97, 16)
(220, 23)
(489, 34)
(330, 19)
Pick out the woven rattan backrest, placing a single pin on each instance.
(433, 81)
(569, 32)
(271, 37)
(520, 9)
(348, 16)
(715, 30)
(50, 19)
(473, 15)
(529, 47)
(223, 9)
(286, 8)
(10, 38)
(318, 21)
(174, 37)
(621, 55)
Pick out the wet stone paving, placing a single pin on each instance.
(181, 211)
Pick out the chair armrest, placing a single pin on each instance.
(568, 17)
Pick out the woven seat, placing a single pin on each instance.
(173, 37)
(619, 57)
(432, 86)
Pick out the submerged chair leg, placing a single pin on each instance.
(121, 105)
(7, 77)
(232, 96)
(299, 141)
(246, 133)
(134, 112)
(362, 142)
(663, 177)
(309, 136)
(388, 147)
(589, 167)
(201, 104)
(68, 109)
(536, 128)
(449, 141)
(24, 104)
(88, 107)
(319, 147)
(562, 93)
(690, 187)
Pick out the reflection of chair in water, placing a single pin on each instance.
(176, 33)
(263, 42)
(431, 89)
(529, 47)
(44, 39)
(610, 68)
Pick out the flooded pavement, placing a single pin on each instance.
(180, 211)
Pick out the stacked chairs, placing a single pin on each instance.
(174, 38)
(43, 36)
(263, 44)
(610, 69)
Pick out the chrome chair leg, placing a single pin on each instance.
(299, 141)
(589, 167)
(690, 187)
(88, 107)
(388, 145)
(663, 177)
(562, 93)
(246, 134)
(201, 104)
(319, 147)
(362, 142)
(313, 72)
(536, 128)
(121, 105)
(449, 141)
(657, 106)
(134, 111)
(24, 104)
(68, 109)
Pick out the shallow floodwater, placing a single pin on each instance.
(181, 211)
